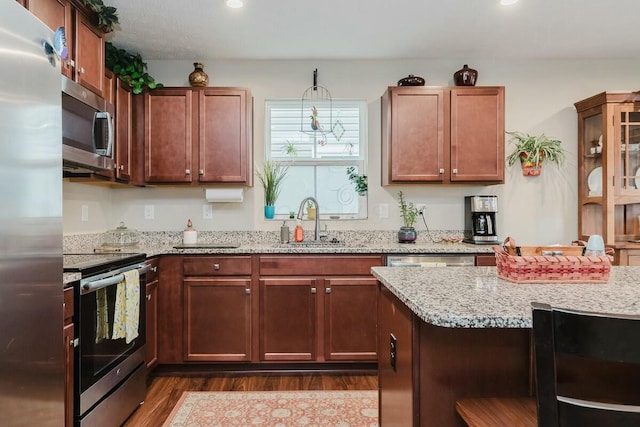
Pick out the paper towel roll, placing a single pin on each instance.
(190, 237)
(224, 194)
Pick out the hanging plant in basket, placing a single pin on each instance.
(532, 150)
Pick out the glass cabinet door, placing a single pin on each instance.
(593, 143)
(627, 135)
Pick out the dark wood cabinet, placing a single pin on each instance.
(308, 315)
(443, 135)
(198, 135)
(124, 144)
(85, 42)
(350, 318)
(288, 319)
(151, 346)
(69, 342)
(218, 318)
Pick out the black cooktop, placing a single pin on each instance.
(94, 263)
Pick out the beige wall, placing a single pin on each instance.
(539, 99)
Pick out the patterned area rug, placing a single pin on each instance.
(276, 409)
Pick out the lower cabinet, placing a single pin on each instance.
(217, 303)
(151, 318)
(69, 342)
(306, 315)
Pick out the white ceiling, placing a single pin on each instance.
(379, 29)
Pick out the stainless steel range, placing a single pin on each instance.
(110, 369)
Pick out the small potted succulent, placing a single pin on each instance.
(532, 150)
(409, 214)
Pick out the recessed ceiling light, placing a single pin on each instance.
(508, 2)
(235, 4)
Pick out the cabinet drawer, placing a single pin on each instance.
(312, 265)
(68, 305)
(217, 266)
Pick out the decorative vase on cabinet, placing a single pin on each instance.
(198, 78)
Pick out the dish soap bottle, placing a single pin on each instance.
(284, 232)
(298, 233)
(190, 235)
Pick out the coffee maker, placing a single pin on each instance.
(480, 220)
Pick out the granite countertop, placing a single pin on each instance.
(474, 297)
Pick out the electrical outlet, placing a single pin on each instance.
(207, 211)
(421, 207)
(149, 212)
(85, 213)
(383, 210)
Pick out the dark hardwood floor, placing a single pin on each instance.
(164, 391)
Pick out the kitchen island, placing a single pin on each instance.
(447, 333)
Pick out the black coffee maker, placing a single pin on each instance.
(480, 220)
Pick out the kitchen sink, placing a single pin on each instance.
(319, 244)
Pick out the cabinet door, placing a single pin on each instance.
(89, 55)
(224, 137)
(287, 319)
(217, 319)
(124, 129)
(168, 135)
(69, 364)
(413, 136)
(57, 13)
(477, 134)
(152, 325)
(350, 318)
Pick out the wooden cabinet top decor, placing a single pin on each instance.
(443, 135)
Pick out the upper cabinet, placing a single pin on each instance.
(443, 135)
(85, 43)
(198, 135)
(609, 167)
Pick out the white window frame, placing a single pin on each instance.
(359, 161)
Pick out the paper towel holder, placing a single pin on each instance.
(224, 195)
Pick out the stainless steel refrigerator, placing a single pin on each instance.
(31, 318)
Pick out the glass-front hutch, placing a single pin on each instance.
(609, 171)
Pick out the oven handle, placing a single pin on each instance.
(109, 281)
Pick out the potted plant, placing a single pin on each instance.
(409, 214)
(531, 150)
(271, 177)
(360, 181)
(130, 68)
(311, 210)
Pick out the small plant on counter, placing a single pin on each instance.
(408, 211)
(360, 181)
(271, 177)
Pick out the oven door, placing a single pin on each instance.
(109, 350)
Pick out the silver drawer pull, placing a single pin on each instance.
(455, 171)
(247, 291)
(149, 297)
(327, 291)
(441, 170)
(216, 266)
(187, 171)
(200, 171)
(313, 290)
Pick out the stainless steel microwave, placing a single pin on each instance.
(87, 130)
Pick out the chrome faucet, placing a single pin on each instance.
(300, 213)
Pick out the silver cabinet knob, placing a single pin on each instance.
(454, 171)
(81, 70)
(200, 171)
(313, 290)
(441, 170)
(327, 291)
(247, 291)
(187, 171)
(216, 266)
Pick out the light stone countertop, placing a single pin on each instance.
(474, 297)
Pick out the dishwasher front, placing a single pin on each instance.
(430, 260)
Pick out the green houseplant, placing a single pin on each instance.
(531, 150)
(272, 175)
(360, 181)
(107, 16)
(130, 68)
(409, 214)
